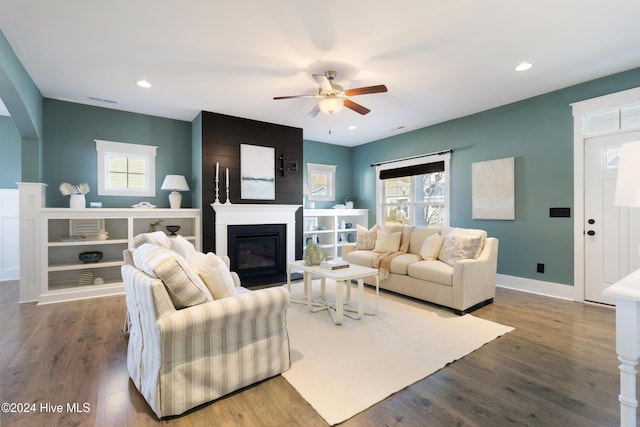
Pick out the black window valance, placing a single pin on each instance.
(420, 169)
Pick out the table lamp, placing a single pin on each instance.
(628, 181)
(175, 183)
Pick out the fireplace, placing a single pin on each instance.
(258, 252)
(260, 247)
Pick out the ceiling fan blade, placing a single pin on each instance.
(356, 107)
(314, 112)
(323, 81)
(294, 96)
(365, 90)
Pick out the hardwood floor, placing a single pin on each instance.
(558, 368)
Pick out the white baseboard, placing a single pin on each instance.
(550, 289)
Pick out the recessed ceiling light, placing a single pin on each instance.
(523, 66)
(352, 127)
(143, 83)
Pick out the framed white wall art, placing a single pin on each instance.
(493, 189)
(321, 180)
(257, 172)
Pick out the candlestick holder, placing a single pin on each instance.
(217, 200)
(228, 202)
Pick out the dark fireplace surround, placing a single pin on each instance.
(258, 252)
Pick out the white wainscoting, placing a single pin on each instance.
(9, 235)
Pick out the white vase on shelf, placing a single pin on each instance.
(77, 201)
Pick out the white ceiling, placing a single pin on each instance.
(439, 59)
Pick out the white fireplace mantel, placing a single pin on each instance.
(245, 214)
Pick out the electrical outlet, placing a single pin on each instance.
(540, 268)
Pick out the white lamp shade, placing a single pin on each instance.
(175, 183)
(628, 181)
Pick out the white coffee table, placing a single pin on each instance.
(342, 277)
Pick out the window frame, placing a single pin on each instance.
(380, 206)
(106, 149)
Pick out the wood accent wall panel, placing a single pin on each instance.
(221, 139)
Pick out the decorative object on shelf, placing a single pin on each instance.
(349, 201)
(175, 183)
(98, 281)
(90, 257)
(89, 228)
(351, 238)
(85, 277)
(627, 189)
(95, 204)
(143, 205)
(343, 224)
(77, 192)
(173, 229)
(71, 238)
(313, 254)
(348, 225)
(102, 234)
(154, 225)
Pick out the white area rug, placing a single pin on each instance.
(343, 370)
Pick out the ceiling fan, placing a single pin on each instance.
(334, 97)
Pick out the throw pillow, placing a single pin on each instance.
(155, 238)
(459, 244)
(388, 242)
(184, 286)
(366, 238)
(431, 247)
(214, 273)
(182, 246)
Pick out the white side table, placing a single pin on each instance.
(342, 277)
(627, 294)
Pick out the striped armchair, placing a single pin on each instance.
(179, 359)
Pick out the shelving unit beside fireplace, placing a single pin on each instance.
(325, 226)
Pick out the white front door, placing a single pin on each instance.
(612, 234)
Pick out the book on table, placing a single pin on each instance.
(334, 264)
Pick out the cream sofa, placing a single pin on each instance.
(192, 341)
(444, 274)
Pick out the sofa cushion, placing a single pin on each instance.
(364, 258)
(184, 286)
(462, 244)
(366, 238)
(432, 271)
(155, 238)
(387, 242)
(214, 273)
(418, 236)
(400, 263)
(431, 247)
(182, 246)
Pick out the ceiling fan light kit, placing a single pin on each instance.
(334, 97)
(331, 105)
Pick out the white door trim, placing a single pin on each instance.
(582, 111)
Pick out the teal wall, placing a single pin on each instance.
(70, 151)
(329, 154)
(24, 102)
(538, 132)
(10, 159)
